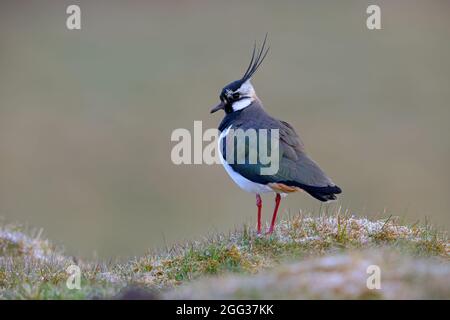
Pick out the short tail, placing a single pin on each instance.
(323, 194)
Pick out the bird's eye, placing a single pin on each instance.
(236, 95)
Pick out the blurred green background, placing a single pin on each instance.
(86, 116)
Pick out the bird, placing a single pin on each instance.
(296, 170)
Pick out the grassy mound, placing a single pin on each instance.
(341, 275)
(306, 257)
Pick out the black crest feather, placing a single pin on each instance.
(257, 58)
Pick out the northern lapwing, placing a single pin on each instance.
(296, 170)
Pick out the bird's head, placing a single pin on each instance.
(239, 94)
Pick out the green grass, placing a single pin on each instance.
(31, 268)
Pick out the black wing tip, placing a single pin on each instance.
(325, 198)
(323, 194)
(338, 190)
(329, 194)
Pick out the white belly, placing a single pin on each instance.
(241, 181)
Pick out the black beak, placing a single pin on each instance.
(220, 106)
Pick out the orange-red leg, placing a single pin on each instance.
(259, 205)
(275, 211)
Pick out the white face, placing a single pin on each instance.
(247, 94)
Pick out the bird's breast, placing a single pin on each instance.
(240, 180)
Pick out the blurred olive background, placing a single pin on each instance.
(86, 116)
